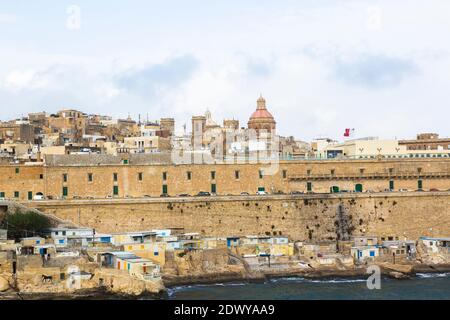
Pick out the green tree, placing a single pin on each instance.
(25, 224)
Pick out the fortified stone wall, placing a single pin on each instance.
(324, 217)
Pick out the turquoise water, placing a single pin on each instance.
(422, 286)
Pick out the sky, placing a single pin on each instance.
(380, 67)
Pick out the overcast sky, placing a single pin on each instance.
(381, 67)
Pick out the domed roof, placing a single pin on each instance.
(258, 114)
(261, 110)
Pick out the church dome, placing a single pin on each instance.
(264, 114)
(261, 118)
(261, 110)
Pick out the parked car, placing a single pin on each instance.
(38, 197)
(147, 196)
(203, 194)
(245, 194)
(434, 190)
(184, 195)
(403, 190)
(261, 193)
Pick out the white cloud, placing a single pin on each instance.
(18, 80)
(322, 65)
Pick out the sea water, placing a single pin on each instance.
(421, 286)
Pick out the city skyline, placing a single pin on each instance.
(322, 66)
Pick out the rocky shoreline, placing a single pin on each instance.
(171, 281)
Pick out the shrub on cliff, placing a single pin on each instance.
(25, 224)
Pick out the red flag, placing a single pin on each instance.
(347, 132)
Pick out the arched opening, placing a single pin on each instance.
(334, 189)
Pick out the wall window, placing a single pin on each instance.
(309, 186)
(164, 176)
(16, 194)
(41, 176)
(17, 170)
(115, 177)
(116, 190)
(213, 188)
(419, 184)
(284, 172)
(332, 171)
(164, 189)
(308, 172)
(90, 177)
(189, 175)
(30, 195)
(2, 194)
(236, 174)
(65, 191)
(140, 176)
(261, 174)
(213, 175)
(65, 177)
(391, 185)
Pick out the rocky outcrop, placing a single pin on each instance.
(201, 262)
(49, 280)
(4, 284)
(431, 258)
(402, 268)
(120, 282)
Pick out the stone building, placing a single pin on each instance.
(426, 141)
(139, 175)
(16, 132)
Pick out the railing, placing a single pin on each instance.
(371, 176)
